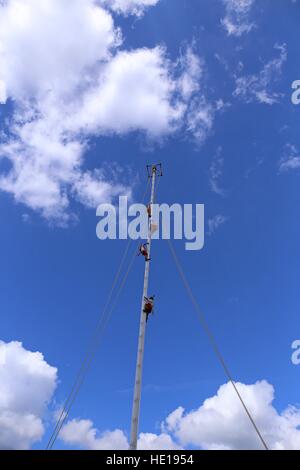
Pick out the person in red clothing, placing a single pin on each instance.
(148, 306)
(144, 251)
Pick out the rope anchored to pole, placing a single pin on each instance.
(213, 342)
(94, 342)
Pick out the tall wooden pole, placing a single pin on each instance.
(142, 331)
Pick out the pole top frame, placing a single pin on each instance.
(157, 169)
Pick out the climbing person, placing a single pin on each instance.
(149, 211)
(148, 306)
(144, 251)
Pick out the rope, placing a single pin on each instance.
(76, 388)
(213, 342)
(94, 342)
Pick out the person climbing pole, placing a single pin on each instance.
(144, 251)
(149, 211)
(148, 306)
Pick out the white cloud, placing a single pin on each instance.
(49, 45)
(129, 7)
(192, 66)
(163, 441)
(135, 91)
(290, 159)
(200, 118)
(27, 386)
(253, 88)
(216, 172)
(3, 98)
(221, 423)
(68, 87)
(41, 165)
(82, 433)
(236, 21)
(200, 113)
(215, 222)
(93, 188)
(45, 65)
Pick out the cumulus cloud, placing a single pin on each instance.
(2, 92)
(220, 422)
(134, 91)
(82, 433)
(251, 88)
(45, 64)
(129, 7)
(43, 44)
(290, 160)
(67, 88)
(162, 441)
(27, 386)
(236, 20)
(92, 188)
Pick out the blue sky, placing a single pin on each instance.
(241, 160)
